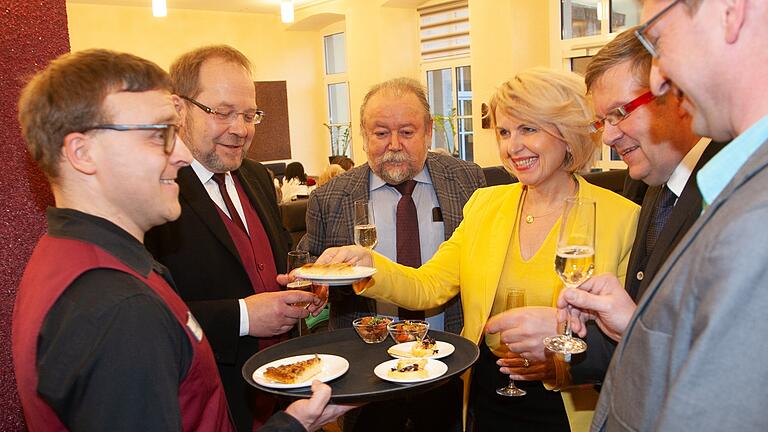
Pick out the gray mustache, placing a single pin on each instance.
(391, 156)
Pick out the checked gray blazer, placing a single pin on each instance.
(330, 222)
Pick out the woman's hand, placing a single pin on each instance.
(515, 366)
(524, 329)
(355, 255)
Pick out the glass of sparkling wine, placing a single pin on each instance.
(365, 226)
(574, 263)
(297, 259)
(515, 299)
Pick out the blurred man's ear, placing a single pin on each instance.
(179, 104)
(733, 20)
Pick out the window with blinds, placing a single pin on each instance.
(444, 30)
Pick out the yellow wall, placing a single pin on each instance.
(277, 54)
(382, 42)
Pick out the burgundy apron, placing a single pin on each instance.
(54, 265)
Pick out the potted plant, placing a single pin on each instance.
(443, 123)
(339, 138)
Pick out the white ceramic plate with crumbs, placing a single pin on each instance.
(333, 366)
(403, 350)
(351, 275)
(434, 368)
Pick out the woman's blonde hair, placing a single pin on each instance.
(555, 101)
(330, 172)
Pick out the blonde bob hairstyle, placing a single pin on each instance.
(556, 102)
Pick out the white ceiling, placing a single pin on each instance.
(254, 6)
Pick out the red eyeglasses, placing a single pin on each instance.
(617, 115)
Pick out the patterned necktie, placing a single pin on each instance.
(663, 208)
(408, 244)
(220, 179)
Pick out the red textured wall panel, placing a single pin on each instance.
(33, 33)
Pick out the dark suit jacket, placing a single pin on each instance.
(330, 222)
(592, 366)
(207, 269)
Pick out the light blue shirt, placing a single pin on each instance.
(384, 201)
(722, 168)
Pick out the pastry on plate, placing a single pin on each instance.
(293, 373)
(319, 270)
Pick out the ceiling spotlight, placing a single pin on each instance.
(159, 8)
(286, 11)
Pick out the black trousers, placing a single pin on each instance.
(439, 409)
(540, 410)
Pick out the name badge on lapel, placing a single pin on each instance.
(194, 327)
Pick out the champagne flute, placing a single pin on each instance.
(365, 226)
(298, 259)
(515, 299)
(574, 263)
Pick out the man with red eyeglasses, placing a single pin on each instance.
(654, 138)
(691, 355)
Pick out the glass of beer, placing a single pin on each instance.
(365, 226)
(574, 263)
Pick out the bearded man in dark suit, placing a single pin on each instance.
(229, 245)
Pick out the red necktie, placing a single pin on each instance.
(220, 179)
(408, 244)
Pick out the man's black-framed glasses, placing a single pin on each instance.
(227, 117)
(168, 132)
(640, 32)
(617, 115)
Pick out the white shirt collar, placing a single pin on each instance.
(202, 172)
(682, 172)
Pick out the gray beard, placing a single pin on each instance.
(395, 176)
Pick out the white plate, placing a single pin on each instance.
(435, 369)
(403, 350)
(358, 272)
(333, 367)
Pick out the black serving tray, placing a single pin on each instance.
(359, 384)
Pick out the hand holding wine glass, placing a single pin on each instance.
(574, 262)
(365, 226)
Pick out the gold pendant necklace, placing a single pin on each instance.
(529, 219)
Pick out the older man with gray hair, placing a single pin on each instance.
(417, 197)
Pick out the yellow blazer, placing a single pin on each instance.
(471, 261)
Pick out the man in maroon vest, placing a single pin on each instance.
(101, 341)
(229, 244)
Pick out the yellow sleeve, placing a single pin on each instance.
(429, 286)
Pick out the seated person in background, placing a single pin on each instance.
(101, 340)
(343, 162)
(330, 172)
(294, 182)
(295, 170)
(507, 240)
(397, 131)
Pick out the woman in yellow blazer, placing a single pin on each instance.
(507, 241)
